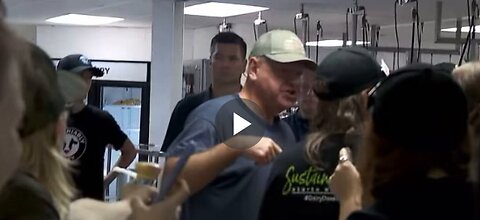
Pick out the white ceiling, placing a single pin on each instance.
(137, 13)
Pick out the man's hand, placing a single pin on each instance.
(142, 192)
(264, 151)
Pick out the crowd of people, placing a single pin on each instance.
(363, 144)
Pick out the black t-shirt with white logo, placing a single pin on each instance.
(299, 190)
(89, 132)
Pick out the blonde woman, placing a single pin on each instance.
(42, 185)
(468, 76)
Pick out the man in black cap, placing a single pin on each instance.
(89, 131)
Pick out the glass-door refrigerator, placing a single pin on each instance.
(124, 92)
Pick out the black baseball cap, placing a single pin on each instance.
(446, 67)
(77, 63)
(346, 72)
(421, 108)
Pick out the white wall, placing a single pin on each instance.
(133, 44)
(109, 43)
(188, 42)
(246, 32)
(202, 36)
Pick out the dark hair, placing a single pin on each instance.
(383, 167)
(228, 38)
(419, 113)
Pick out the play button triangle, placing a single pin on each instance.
(239, 124)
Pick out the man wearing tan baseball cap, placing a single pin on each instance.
(228, 173)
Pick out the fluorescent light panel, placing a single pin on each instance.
(216, 9)
(78, 19)
(331, 43)
(465, 29)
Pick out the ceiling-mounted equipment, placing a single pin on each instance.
(458, 40)
(396, 55)
(259, 26)
(416, 32)
(319, 35)
(354, 11)
(471, 45)
(304, 34)
(365, 28)
(224, 26)
(374, 38)
(402, 2)
(414, 18)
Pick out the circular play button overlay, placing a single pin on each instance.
(239, 125)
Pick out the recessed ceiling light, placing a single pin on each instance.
(465, 29)
(216, 9)
(78, 19)
(331, 43)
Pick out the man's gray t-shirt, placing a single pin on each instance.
(237, 192)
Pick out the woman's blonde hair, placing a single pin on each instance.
(334, 117)
(41, 142)
(468, 76)
(42, 158)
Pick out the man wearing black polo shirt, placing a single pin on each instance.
(89, 131)
(227, 55)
